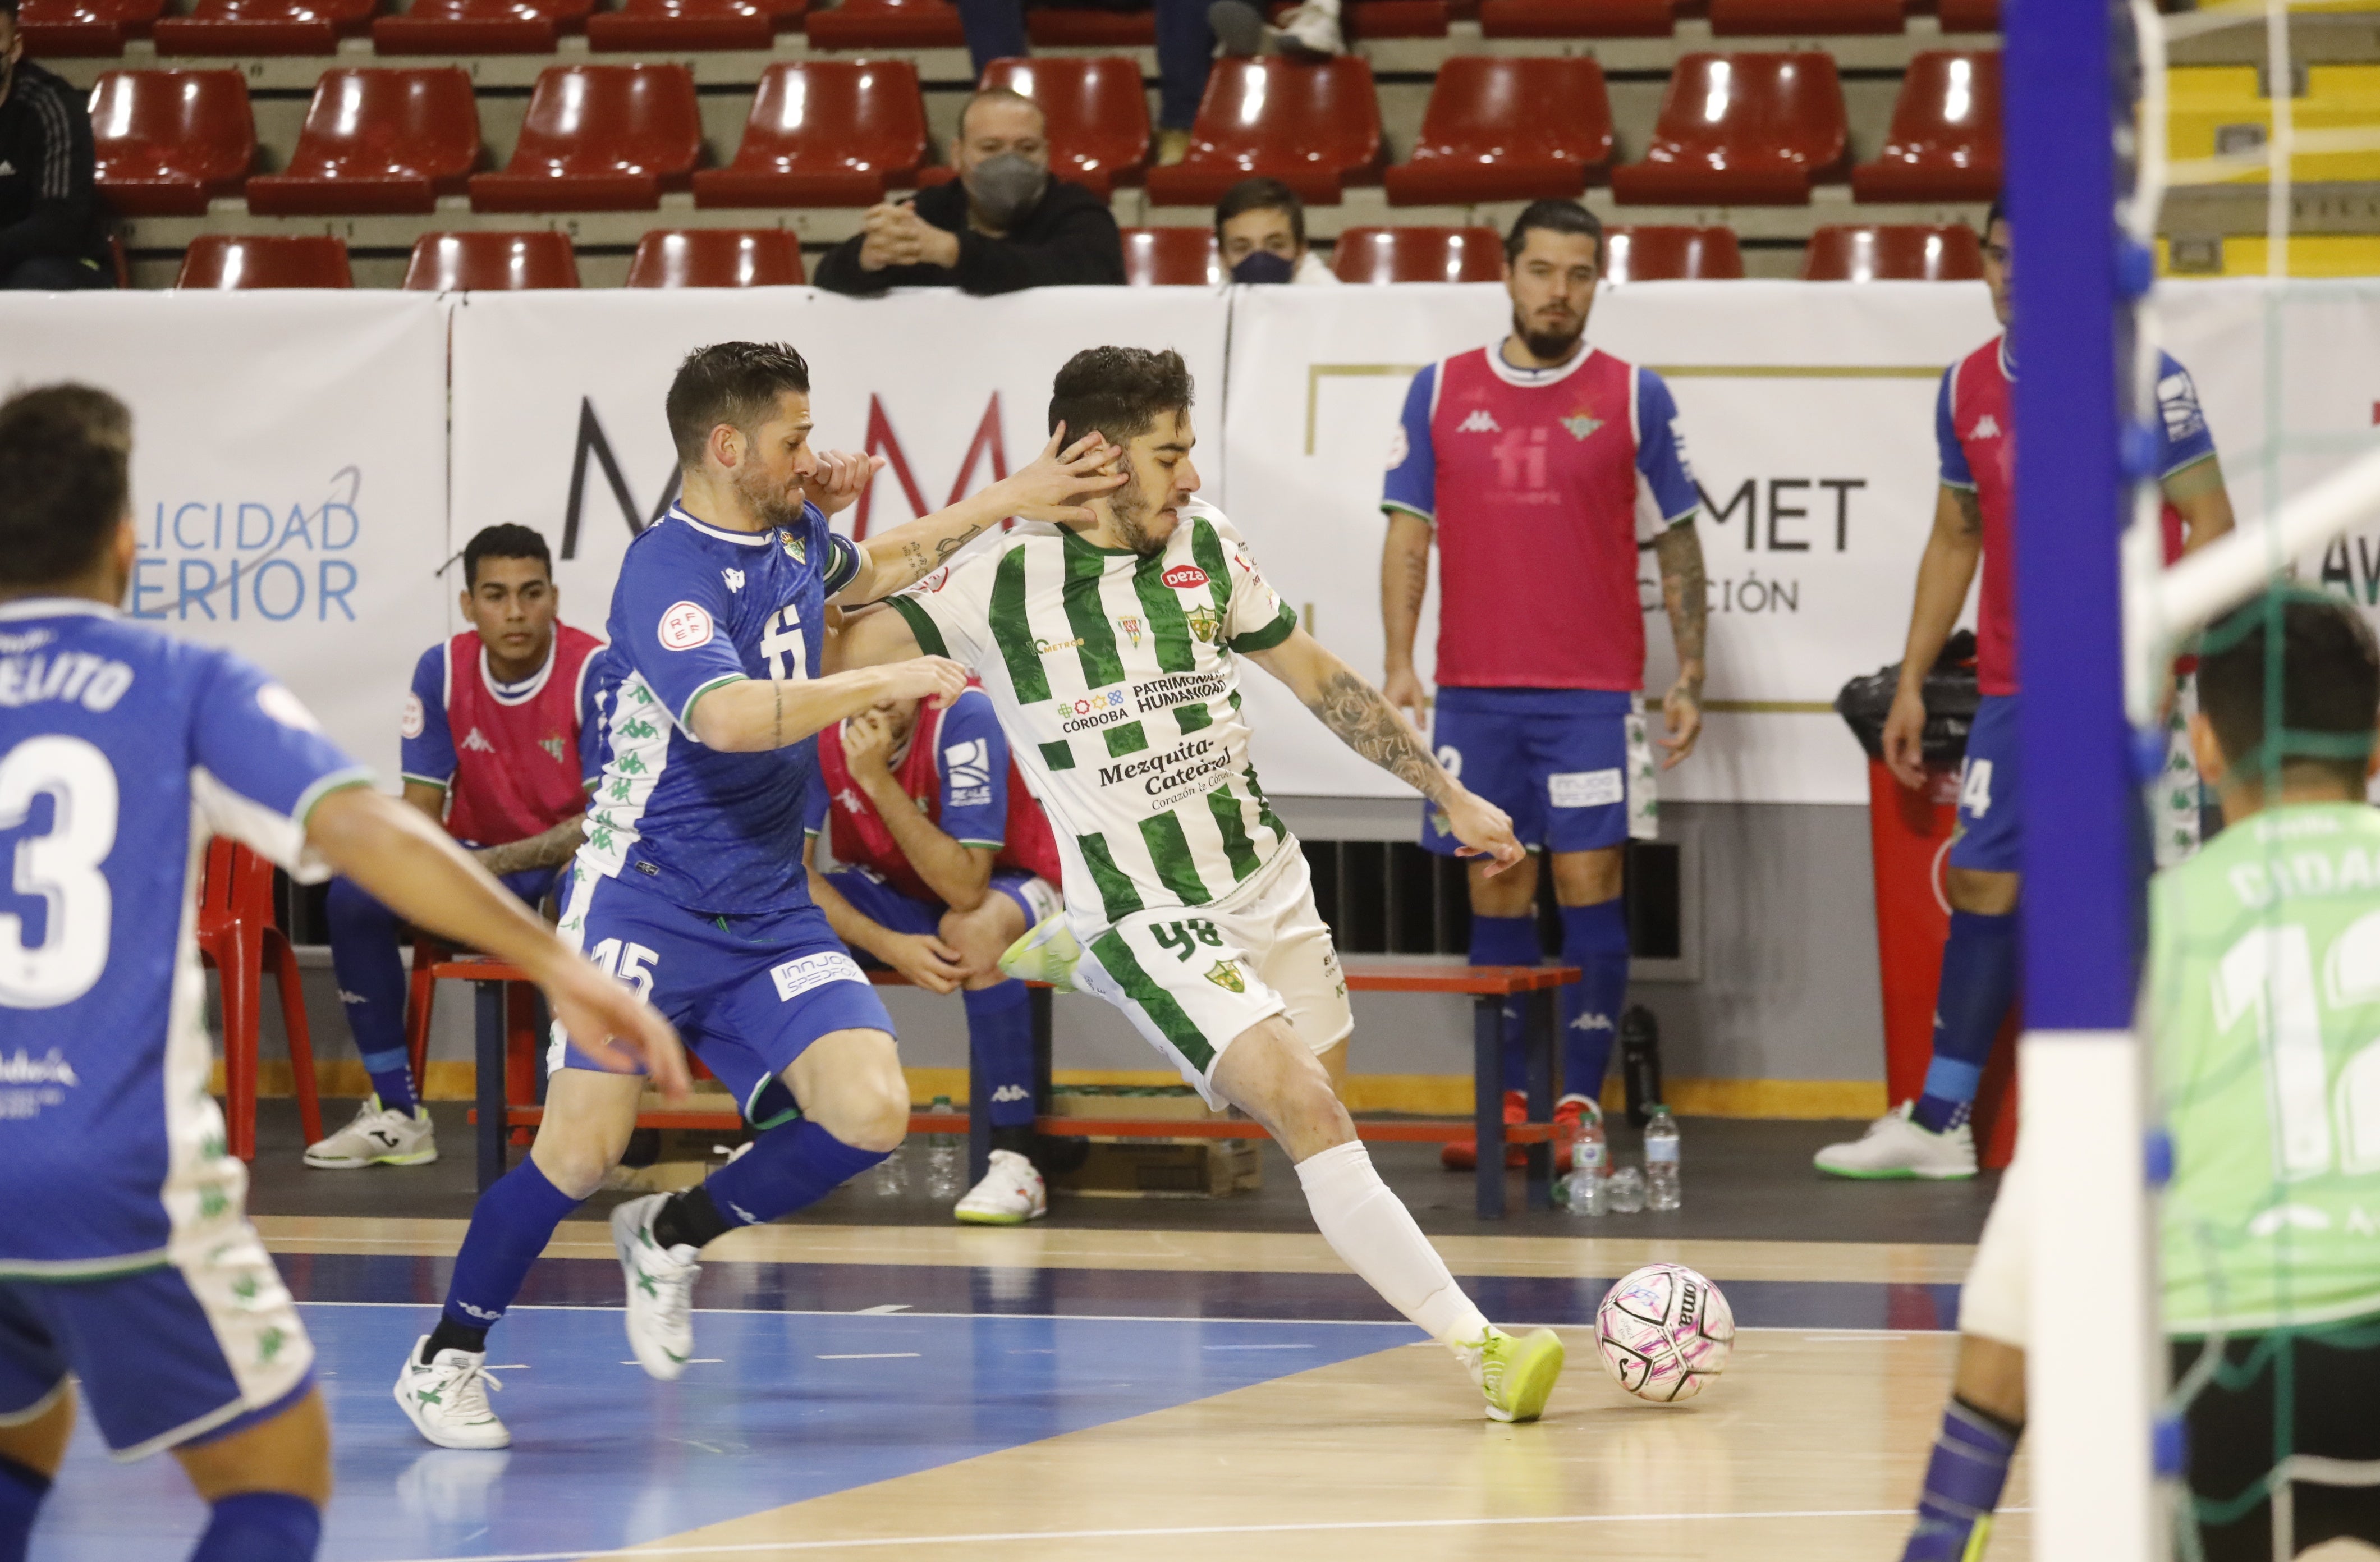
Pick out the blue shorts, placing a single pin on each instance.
(748, 994)
(1990, 835)
(162, 1365)
(877, 900)
(1554, 758)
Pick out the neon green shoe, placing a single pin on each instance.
(1515, 1375)
(1048, 952)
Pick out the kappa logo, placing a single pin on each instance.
(477, 743)
(1986, 427)
(1011, 1092)
(7, 168)
(1581, 425)
(1480, 421)
(1591, 1021)
(1181, 576)
(684, 626)
(851, 802)
(735, 578)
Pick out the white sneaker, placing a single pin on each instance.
(660, 1289)
(380, 1136)
(1310, 32)
(1894, 1146)
(1010, 1194)
(1048, 952)
(447, 1400)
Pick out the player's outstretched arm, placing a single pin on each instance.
(1944, 573)
(753, 715)
(1685, 591)
(548, 849)
(872, 637)
(416, 869)
(1366, 722)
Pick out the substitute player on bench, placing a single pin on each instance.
(2265, 1240)
(936, 861)
(490, 752)
(1112, 651)
(1930, 1137)
(1540, 466)
(127, 1260)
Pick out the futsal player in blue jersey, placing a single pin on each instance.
(690, 885)
(127, 1260)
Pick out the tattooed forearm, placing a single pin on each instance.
(950, 545)
(1685, 591)
(914, 555)
(1366, 722)
(1971, 509)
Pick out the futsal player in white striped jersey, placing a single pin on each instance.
(1112, 652)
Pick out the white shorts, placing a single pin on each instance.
(1992, 1303)
(1191, 979)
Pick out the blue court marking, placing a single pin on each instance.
(603, 1455)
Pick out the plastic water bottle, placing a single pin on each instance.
(891, 1177)
(1662, 1190)
(1590, 1166)
(945, 1160)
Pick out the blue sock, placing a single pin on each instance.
(1595, 939)
(260, 1527)
(786, 1169)
(371, 988)
(1962, 1483)
(1979, 974)
(22, 1491)
(999, 1033)
(510, 1225)
(1508, 941)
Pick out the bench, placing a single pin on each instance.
(1487, 986)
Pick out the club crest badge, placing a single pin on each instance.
(1582, 425)
(1206, 623)
(795, 549)
(1226, 975)
(1131, 628)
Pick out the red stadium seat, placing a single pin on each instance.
(1845, 254)
(66, 28)
(1671, 254)
(1418, 254)
(1165, 257)
(1397, 19)
(1970, 16)
(1097, 115)
(479, 27)
(887, 24)
(377, 141)
(1508, 129)
(1313, 127)
(247, 260)
(661, 25)
(1090, 27)
(492, 262)
(717, 257)
(599, 138)
(264, 27)
(824, 133)
(1751, 129)
(170, 140)
(1803, 18)
(1945, 141)
(1577, 18)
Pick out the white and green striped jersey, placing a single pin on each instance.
(1116, 679)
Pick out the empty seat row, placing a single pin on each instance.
(498, 261)
(1742, 128)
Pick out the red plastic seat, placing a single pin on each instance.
(481, 27)
(1754, 129)
(717, 257)
(493, 262)
(1508, 129)
(1313, 127)
(599, 138)
(1671, 254)
(1914, 253)
(1945, 141)
(1577, 18)
(1097, 112)
(264, 27)
(649, 25)
(235, 934)
(824, 133)
(1803, 19)
(1168, 257)
(886, 24)
(377, 141)
(1418, 254)
(68, 29)
(1089, 26)
(249, 259)
(1970, 16)
(167, 141)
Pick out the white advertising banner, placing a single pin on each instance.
(288, 475)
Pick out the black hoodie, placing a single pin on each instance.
(48, 203)
(1068, 237)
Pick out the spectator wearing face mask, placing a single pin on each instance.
(1002, 225)
(1261, 226)
(53, 228)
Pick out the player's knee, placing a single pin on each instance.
(983, 934)
(869, 1115)
(575, 1159)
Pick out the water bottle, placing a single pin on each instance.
(891, 1177)
(945, 1160)
(1590, 1163)
(1661, 1185)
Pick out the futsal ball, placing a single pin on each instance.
(1665, 1333)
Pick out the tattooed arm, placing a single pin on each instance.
(549, 849)
(1686, 593)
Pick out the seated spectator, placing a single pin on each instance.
(1002, 225)
(1185, 50)
(53, 226)
(492, 751)
(928, 855)
(1261, 226)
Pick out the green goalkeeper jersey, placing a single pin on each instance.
(2265, 1004)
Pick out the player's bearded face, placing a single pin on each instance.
(770, 489)
(1146, 509)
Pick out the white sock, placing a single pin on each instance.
(1373, 1233)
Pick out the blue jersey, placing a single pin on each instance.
(120, 751)
(697, 607)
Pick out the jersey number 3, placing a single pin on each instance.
(61, 867)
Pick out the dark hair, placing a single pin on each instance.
(1555, 217)
(8, 9)
(66, 482)
(1261, 194)
(503, 541)
(1119, 391)
(732, 382)
(1998, 213)
(2327, 676)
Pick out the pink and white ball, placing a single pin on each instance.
(1665, 1333)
